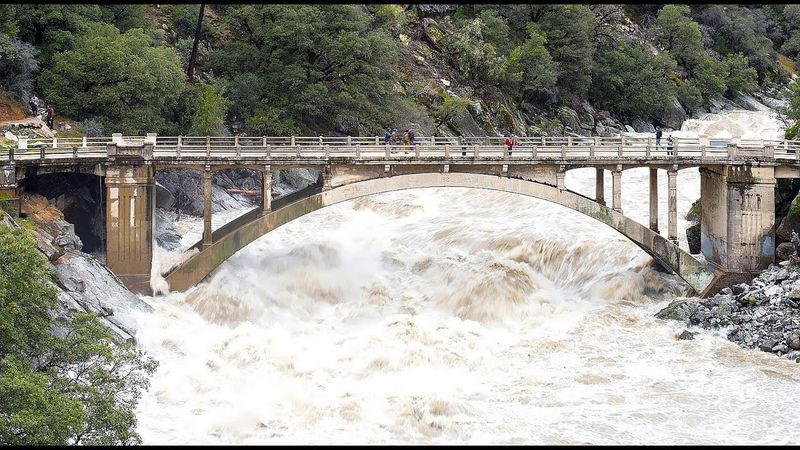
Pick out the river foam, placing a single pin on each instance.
(452, 315)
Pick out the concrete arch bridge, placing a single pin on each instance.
(737, 189)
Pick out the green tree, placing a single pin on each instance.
(569, 30)
(538, 70)
(17, 67)
(122, 80)
(632, 81)
(71, 387)
(209, 115)
(8, 23)
(476, 59)
(741, 77)
(677, 33)
(318, 67)
(710, 78)
(53, 28)
(495, 31)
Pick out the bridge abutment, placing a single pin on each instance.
(738, 217)
(130, 203)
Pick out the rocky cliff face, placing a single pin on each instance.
(83, 281)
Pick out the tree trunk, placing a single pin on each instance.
(190, 69)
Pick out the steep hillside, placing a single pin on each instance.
(442, 69)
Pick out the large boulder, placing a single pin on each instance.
(86, 285)
(783, 251)
(693, 237)
(680, 309)
(165, 232)
(791, 222)
(672, 116)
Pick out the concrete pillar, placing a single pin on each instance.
(672, 205)
(326, 178)
(560, 175)
(266, 190)
(616, 186)
(9, 196)
(599, 186)
(130, 204)
(654, 199)
(207, 175)
(738, 217)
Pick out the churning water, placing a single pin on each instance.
(454, 315)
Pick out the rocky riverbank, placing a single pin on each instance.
(764, 314)
(83, 282)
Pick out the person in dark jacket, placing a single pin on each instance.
(387, 136)
(50, 114)
(658, 137)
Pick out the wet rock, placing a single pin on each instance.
(672, 116)
(740, 289)
(680, 309)
(643, 127)
(693, 238)
(165, 232)
(793, 340)
(794, 294)
(87, 285)
(686, 335)
(164, 198)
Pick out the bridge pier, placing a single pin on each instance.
(130, 206)
(207, 191)
(9, 195)
(266, 190)
(616, 186)
(654, 199)
(738, 218)
(672, 204)
(599, 186)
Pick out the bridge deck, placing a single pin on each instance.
(370, 150)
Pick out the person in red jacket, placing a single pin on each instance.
(510, 142)
(50, 113)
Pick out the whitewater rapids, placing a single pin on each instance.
(453, 315)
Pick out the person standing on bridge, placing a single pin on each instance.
(406, 140)
(658, 137)
(669, 145)
(395, 139)
(50, 114)
(411, 136)
(509, 144)
(387, 136)
(463, 141)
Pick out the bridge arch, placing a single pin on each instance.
(203, 263)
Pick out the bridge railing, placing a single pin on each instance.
(428, 146)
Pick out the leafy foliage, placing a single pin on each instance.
(632, 81)
(121, 80)
(209, 114)
(319, 67)
(569, 30)
(70, 388)
(677, 33)
(17, 67)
